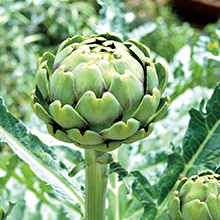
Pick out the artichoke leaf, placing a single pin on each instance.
(66, 116)
(88, 138)
(121, 130)
(100, 113)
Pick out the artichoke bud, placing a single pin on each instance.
(196, 198)
(100, 92)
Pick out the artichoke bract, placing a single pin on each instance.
(196, 198)
(100, 92)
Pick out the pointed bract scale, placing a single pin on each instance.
(129, 91)
(186, 188)
(147, 106)
(89, 41)
(58, 134)
(41, 113)
(162, 75)
(88, 138)
(94, 58)
(213, 203)
(62, 86)
(108, 71)
(138, 53)
(152, 80)
(161, 110)
(100, 113)
(131, 64)
(42, 81)
(174, 207)
(86, 76)
(196, 210)
(69, 41)
(197, 191)
(49, 59)
(67, 117)
(212, 186)
(121, 130)
(61, 56)
(140, 46)
(139, 135)
(110, 36)
(108, 146)
(74, 59)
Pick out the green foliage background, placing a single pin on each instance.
(28, 28)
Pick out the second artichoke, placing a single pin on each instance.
(196, 198)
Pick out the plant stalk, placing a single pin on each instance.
(95, 187)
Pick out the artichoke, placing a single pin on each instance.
(100, 92)
(196, 198)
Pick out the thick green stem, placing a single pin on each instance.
(95, 187)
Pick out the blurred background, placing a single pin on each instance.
(28, 28)
(182, 34)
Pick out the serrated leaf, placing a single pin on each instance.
(170, 175)
(145, 193)
(201, 145)
(117, 168)
(37, 155)
(202, 139)
(134, 211)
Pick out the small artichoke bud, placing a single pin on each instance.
(196, 198)
(100, 92)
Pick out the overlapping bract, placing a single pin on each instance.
(100, 92)
(196, 198)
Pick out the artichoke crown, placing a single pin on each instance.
(99, 92)
(196, 198)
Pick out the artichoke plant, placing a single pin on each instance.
(196, 198)
(100, 92)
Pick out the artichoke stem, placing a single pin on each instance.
(95, 187)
